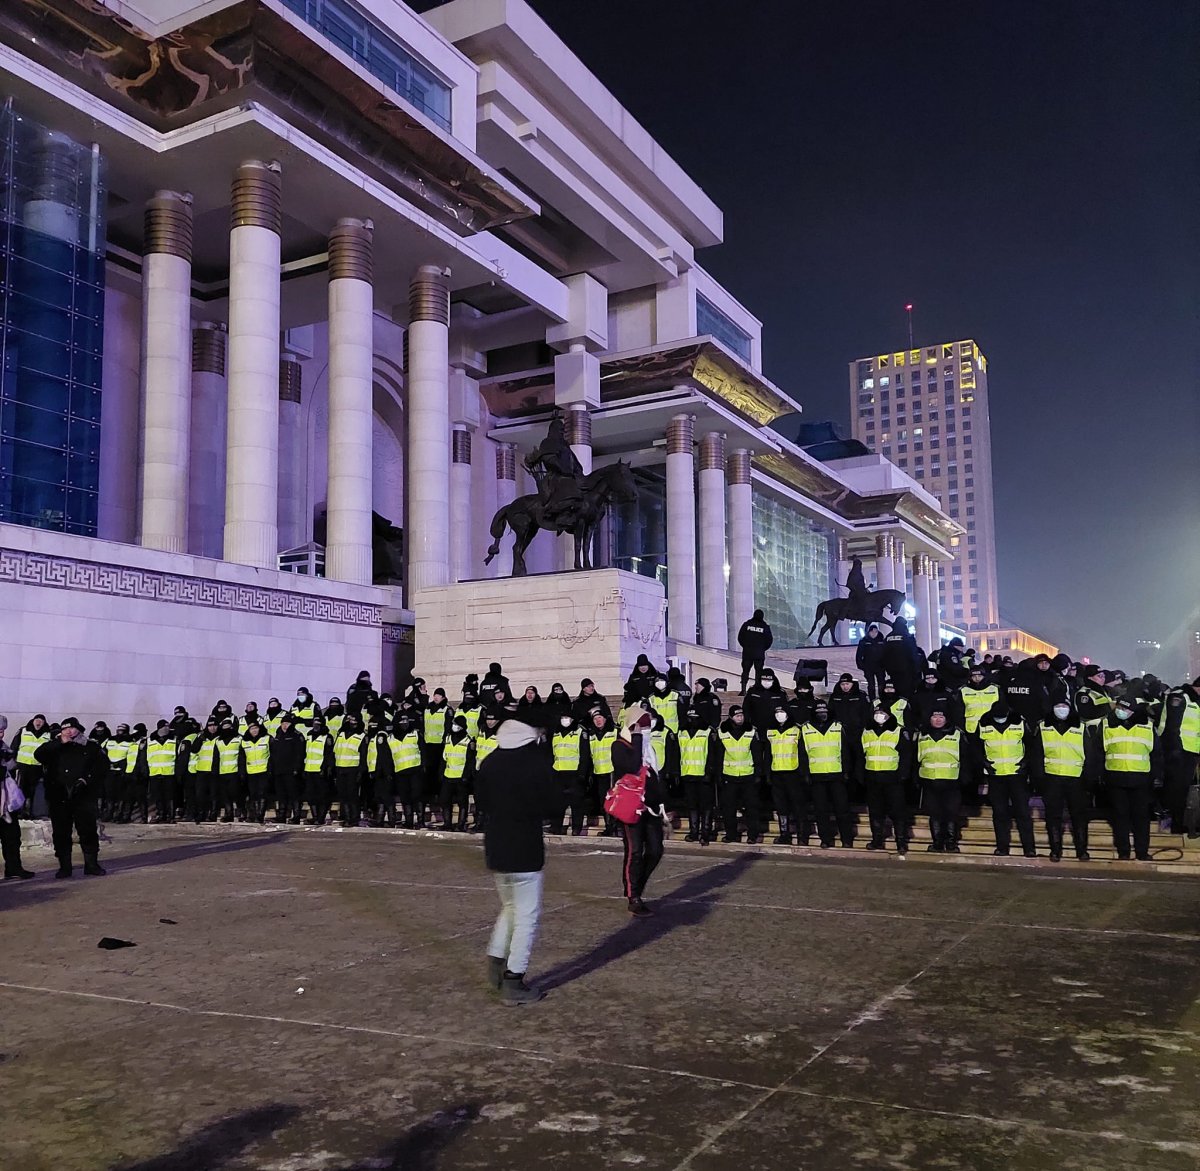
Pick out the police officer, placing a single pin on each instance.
(940, 761)
(825, 755)
(789, 792)
(287, 763)
(157, 767)
(706, 703)
(255, 768)
(665, 703)
(885, 760)
(115, 749)
(381, 742)
(602, 735)
(435, 724)
(1179, 731)
(73, 772)
(739, 763)
(902, 658)
(1132, 762)
(696, 757)
(24, 747)
(229, 777)
(1001, 741)
(408, 764)
(571, 762)
(458, 770)
(755, 639)
(1059, 766)
(349, 768)
(587, 701)
(318, 770)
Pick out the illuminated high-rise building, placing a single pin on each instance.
(926, 410)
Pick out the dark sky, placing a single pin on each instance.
(1025, 172)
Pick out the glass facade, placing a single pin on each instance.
(710, 320)
(793, 568)
(357, 35)
(52, 244)
(638, 531)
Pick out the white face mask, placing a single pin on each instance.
(881, 717)
(1062, 710)
(660, 685)
(781, 717)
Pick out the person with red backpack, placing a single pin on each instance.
(637, 800)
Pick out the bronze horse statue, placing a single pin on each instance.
(856, 609)
(613, 484)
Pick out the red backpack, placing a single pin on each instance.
(627, 798)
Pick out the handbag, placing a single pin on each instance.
(627, 797)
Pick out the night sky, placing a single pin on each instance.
(1026, 173)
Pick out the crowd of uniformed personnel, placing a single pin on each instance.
(941, 736)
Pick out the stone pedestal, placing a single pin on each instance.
(544, 629)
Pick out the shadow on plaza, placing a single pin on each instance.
(688, 905)
(223, 1142)
(46, 887)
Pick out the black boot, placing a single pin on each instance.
(694, 826)
(1079, 835)
(65, 869)
(91, 865)
(1054, 834)
(936, 842)
(878, 832)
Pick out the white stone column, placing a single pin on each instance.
(206, 439)
(506, 493)
(935, 602)
(351, 324)
(844, 565)
(166, 371)
(681, 529)
(579, 436)
(714, 615)
(741, 541)
(900, 568)
(293, 457)
(920, 599)
(460, 503)
(427, 541)
(885, 574)
(252, 431)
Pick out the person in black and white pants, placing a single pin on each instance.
(644, 837)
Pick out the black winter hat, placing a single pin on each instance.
(585, 683)
(162, 724)
(846, 677)
(72, 722)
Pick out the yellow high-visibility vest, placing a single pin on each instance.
(455, 756)
(228, 754)
(785, 749)
(565, 747)
(334, 723)
(258, 755)
(347, 750)
(204, 754)
(304, 714)
(739, 754)
(131, 757)
(1004, 749)
(471, 715)
(1189, 724)
(1127, 750)
(485, 745)
(824, 748)
(693, 752)
(659, 740)
(939, 760)
(667, 706)
(406, 751)
(881, 750)
(116, 750)
(271, 723)
(601, 749)
(314, 754)
(977, 704)
(30, 743)
(160, 757)
(1062, 752)
(435, 724)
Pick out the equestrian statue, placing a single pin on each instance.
(567, 500)
(863, 605)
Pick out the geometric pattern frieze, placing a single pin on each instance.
(123, 581)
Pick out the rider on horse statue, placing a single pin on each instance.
(557, 469)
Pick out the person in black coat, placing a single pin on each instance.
(868, 658)
(706, 703)
(640, 683)
(763, 700)
(287, 763)
(644, 837)
(73, 771)
(588, 701)
(755, 639)
(495, 680)
(902, 658)
(515, 790)
(933, 694)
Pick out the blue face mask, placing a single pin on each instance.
(1123, 713)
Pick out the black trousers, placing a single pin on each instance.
(874, 683)
(198, 795)
(752, 663)
(29, 776)
(287, 796)
(885, 798)
(456, 792)
(698, 797)
(1180, 772)
(10, 845)
(1130, 817)
(227, 794)
(114, 787)
(943, 801)
(643, 853)
(791, 795)
(1068, 792)
(1009, 798)
(574, 795)
(435, 765)
(831, 801)
(160, 793)
(75, 811)
(346, 781)
(316, 793)
(739, 793)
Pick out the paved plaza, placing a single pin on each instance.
(313, 1001)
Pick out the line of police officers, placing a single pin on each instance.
(967, 728)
